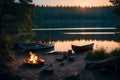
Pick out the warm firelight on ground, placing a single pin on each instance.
(34, 59)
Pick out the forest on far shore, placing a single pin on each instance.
(62, 15)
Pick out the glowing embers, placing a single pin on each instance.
(34, 61)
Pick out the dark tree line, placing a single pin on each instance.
(70, 13)
(116, 3)
(116, 11)
(75, 16)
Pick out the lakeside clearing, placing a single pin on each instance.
(61, 71)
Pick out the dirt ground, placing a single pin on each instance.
(60, 71)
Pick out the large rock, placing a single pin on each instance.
(72, 77)
(111, 64)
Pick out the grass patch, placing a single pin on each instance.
(102, 54)
(115, 52)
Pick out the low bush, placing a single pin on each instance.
(101, 54)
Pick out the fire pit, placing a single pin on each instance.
(34, 61)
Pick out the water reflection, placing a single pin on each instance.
(66, 45)
(62, 34)
(102, 37)
(87, 28)
(85, 33)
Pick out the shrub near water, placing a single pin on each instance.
(97, 54)
(102, 54)
(115, 52)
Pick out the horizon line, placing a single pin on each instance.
(72, 6)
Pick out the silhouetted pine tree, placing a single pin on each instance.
(14, 16)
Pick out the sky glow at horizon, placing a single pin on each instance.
(83, 3)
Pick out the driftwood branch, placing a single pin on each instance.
(111, 64)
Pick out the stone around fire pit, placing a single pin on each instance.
(28, 63)
(48, 69)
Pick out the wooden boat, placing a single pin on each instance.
(78, 49)
(35, 46)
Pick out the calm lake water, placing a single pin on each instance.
(103, 37)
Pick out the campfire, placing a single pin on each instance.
(34, 60)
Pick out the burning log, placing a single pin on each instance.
(34, 61)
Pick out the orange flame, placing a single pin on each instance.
(34, 59)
